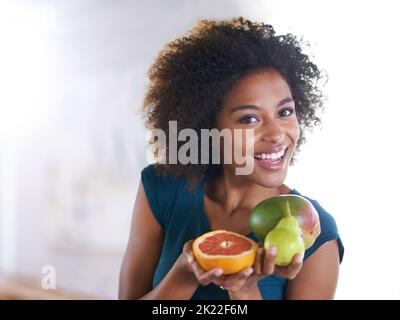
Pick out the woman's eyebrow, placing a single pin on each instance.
(253, 107)
(243, 107)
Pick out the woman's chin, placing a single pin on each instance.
(269, 179)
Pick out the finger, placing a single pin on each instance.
(259, 261)
(187, 247)
(205, 277)
(212, 275)
(237, 280)
(197, 269)
(187, 252)
(295, 266)
(269, 261)
(188, 256)
(291, 271)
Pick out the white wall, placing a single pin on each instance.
(73, 75)
(351, 165)
(78, 71)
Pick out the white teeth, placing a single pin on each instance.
(272, 156)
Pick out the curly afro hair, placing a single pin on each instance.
(192, 74)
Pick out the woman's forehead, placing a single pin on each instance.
(266, 88)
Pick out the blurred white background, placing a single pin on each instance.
(72, 74)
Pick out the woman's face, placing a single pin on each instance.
(263, 102)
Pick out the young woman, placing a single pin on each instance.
(231, 74)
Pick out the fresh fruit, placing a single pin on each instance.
(267, 214)
(286, 237)
(223, 249)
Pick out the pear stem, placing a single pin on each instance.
(287, 211)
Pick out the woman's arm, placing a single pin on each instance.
(319, 275)
(142, 256)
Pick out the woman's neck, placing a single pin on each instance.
(232, 192)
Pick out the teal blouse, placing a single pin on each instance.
(181, 215)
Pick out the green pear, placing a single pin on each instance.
(286, 237)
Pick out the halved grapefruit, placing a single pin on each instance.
(223, 249)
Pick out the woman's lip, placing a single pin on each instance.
(269, 163)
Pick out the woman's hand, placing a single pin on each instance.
(242, 285)
(190, 264)
(264, 265)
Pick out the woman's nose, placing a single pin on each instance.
(272, 132)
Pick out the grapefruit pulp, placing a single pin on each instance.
(223, 249)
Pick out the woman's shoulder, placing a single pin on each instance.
(152, 175)
(161, 191)
(329, 228)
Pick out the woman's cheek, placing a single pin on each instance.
(243, 145)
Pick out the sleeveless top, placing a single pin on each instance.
(180, 213)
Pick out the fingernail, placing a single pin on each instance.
(190, 259)
(248, 271)
(272, 250)
(219, 272)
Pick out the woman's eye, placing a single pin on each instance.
(248, 119)
(286, 112)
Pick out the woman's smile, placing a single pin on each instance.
(272, 160)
